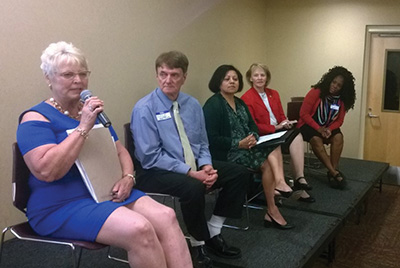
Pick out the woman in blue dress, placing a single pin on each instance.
(60, 204)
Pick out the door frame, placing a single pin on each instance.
(370, 29)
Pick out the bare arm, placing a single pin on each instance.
(51, 162)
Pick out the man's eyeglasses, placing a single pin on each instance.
(71, 75)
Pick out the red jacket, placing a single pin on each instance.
(309, 107)
(260, 113)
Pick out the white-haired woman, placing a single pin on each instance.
(60, 204)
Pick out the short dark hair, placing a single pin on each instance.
(173, 59)
(219, 75)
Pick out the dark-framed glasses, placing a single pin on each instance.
(71, 75)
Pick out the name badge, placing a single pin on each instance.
(163, 116)
(334, 107)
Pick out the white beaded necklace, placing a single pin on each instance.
(66, 112)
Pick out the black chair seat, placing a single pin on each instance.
(24, 231)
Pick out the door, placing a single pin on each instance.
(382, 125)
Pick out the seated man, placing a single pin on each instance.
(172, 148)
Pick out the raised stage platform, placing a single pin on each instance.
(317, 224)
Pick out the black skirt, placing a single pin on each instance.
(308, 132)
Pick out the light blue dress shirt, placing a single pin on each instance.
(156, 137)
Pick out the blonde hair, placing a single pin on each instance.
(258, 65)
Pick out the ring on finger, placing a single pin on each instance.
(90, 108)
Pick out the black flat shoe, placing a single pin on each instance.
(283, 193)
(273, 223)
(200, 257)
(219, 247)
(309, 199)
(301, 186)
(334, 181)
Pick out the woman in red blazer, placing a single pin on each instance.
(321, 116)
(266, 109)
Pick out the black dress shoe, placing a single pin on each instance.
(200, 258)
(219, 247)
(309, 199)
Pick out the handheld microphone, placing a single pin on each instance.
(102, 117)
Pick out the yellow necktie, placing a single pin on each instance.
(187, 150)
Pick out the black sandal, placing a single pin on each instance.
(335, 182)
(301, 186)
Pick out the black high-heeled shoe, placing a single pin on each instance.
(309, 199)
(334, 181)
(283, 193)
(273, 223)
(301, 186)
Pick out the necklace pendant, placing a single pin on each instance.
(65, 112)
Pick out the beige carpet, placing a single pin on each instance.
(375, 241)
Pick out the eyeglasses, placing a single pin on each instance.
(71, 75)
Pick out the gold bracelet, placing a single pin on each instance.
(130, 176)
(82, 132)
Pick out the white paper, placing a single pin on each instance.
(272, 136)
(98, 163)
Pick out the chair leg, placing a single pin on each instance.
(316, 166)
(2, 241)
(77, 262)
(243, 228)
(115, 258)
(308, 156)
(75, 254)
(247, 206)
(331, 251)
(251, 199)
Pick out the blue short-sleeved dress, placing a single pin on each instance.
(63, 208)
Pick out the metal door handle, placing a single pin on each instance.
(370, 115)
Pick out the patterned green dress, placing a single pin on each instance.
(252, 158)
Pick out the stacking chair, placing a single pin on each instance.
(293, 108)
(249, 197)
(23, 231)
(130, 146)
(293, 113)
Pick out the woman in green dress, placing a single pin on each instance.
(232, 135)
